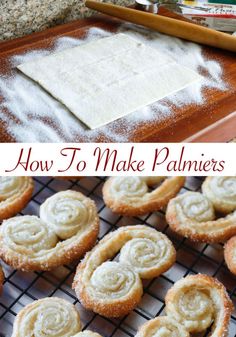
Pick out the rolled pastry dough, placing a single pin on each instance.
(108, 78)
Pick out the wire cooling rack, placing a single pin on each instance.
(22, 288)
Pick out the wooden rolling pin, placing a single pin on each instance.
(185, 30)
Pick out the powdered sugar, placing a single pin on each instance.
(36, 117)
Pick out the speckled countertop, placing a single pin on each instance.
(21, 17)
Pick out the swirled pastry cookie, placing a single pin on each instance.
(230, 254)
(15, 193)
(197, 301)
(221, 191)
(67, 228)
(162, 327)
(111, 288)
(130, 195)
(49, 317)
(192, 215)
(1, 279)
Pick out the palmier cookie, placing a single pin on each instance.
(15, 193)
(192, 215)
(111, 288)
(197, 301)
(67, 228)
(163, 326)
(221, 191)
(130, 196)
(230, 254)
(1, 279)
(49, 317)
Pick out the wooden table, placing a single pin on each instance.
(214, 121)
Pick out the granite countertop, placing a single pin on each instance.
(21, 17)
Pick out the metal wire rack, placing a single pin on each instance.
(22, 288)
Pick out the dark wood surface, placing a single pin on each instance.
(191, 122)
(221, 131)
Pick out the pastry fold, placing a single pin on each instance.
(192, 215)
(67, 228)
(197, 301)
(221, 191)
(49, 317)
(15, 193)
(162, 327)
(230, 254)
(114, 288)
(130, 196)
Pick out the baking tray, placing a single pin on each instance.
(187, 120)
(22, 288)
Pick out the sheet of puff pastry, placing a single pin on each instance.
(15, 193)
(199, 302)
(66, 229)
(108, 78)
(114, 288)
(48, 317)
(193, 215)
(163, 326)
(1, 279)
(230, 254)
(130, 196)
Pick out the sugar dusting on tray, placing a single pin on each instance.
(37, 117)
